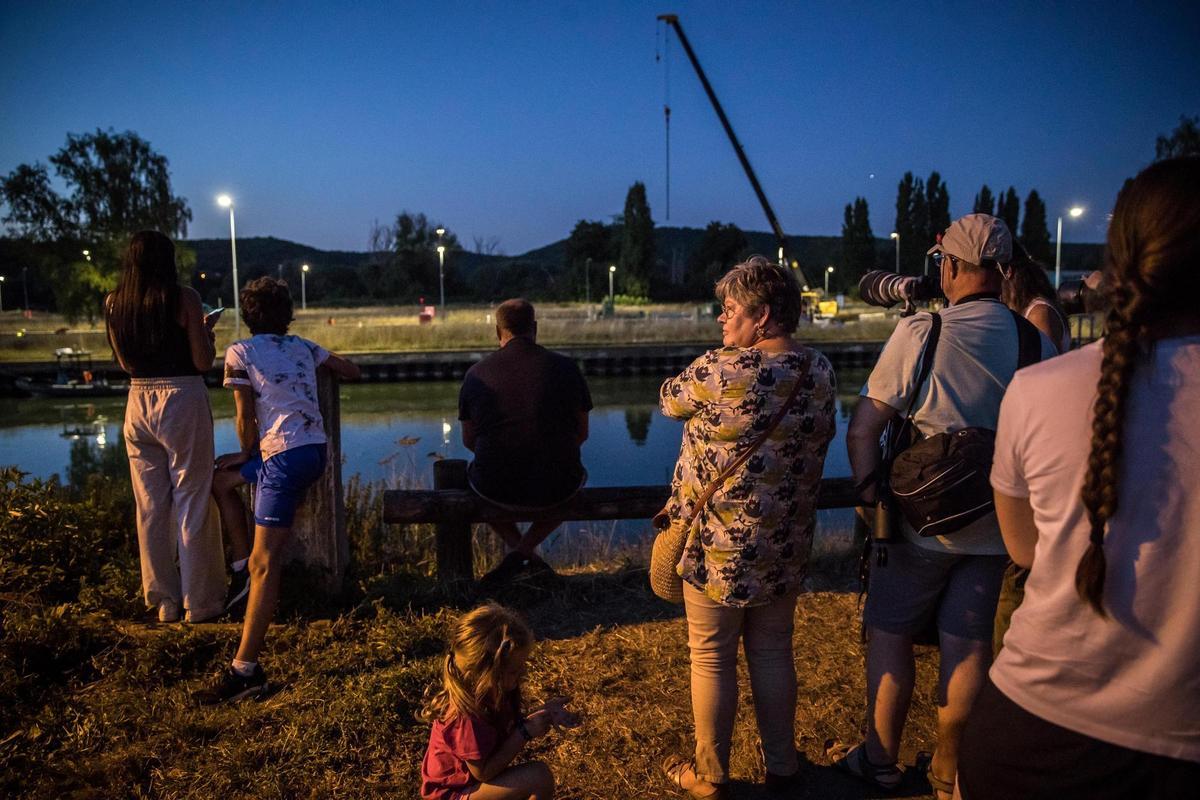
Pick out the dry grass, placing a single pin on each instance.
(341, 724)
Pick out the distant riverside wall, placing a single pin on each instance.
(648, 359)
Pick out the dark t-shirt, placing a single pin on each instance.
(525, 402)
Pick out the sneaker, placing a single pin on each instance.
(168, 611)
(239, 588)
(230, 687)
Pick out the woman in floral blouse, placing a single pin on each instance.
(746, 553)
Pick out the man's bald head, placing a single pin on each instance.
(515, 318)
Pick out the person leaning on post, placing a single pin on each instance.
(954, 580)
(273, 376)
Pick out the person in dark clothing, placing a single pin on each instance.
(524, 413)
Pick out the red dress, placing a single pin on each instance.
(452, 743)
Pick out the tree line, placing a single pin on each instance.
(116, 184)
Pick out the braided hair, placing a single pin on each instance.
(1151, 276)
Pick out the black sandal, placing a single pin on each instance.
(854, 761)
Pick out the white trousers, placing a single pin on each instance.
(169, 435)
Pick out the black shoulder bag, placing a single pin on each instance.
(941, 483)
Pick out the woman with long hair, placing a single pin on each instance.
(753, 518)
(1028, 291)
(1096, 692)
(157, 331)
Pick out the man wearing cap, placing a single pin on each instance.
(951, 581)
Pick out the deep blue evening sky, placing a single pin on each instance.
(516, 119)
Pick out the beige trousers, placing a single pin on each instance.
(169, 435)
(766, 633)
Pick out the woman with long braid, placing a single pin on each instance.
(1096, 693)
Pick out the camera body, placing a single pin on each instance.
(1076, 297)
(879, 287)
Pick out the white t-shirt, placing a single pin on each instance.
(976, 357)
(282, 372)
(1132, 679)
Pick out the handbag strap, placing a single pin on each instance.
(745, 455)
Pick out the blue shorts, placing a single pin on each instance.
(281, 482)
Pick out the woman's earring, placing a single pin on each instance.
(760, 332)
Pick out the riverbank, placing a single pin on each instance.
(97, 703)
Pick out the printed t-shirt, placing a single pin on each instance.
(976, 357)
(525, 401)
(1133, 678)
(282, 372)
(452, 743)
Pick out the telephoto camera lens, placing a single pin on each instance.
(879, 287)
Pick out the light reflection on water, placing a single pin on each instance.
(393, 432)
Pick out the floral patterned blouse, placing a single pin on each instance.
(751, 541)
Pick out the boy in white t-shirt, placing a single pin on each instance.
(274, 379)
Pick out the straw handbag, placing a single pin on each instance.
(673, 532)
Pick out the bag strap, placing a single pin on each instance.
(745, 455)
(885, 464)
(1029, 341)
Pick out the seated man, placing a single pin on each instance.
(524, 413)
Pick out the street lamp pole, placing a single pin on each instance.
(896, 236)
(441, 248)
(611, 303)
(25, 286)
(225, 201)
(828, 270)
(1, 294)
(587, 283)
(1075, 213)
(303, 287)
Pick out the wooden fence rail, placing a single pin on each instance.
(453, 508)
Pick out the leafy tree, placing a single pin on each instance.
(912, 252)
(858, 242)
(937, 198)
(636, 262)
(116, 185)
(1183, 141)
(722, 246)
(904, 210)
(984, 202)
(1009, 208)
(1034, 233)
(589, 240)
(415, 245)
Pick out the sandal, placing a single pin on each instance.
(854, 761)
(940, 785)
(676, 766)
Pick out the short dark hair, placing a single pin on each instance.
(516, 317)
(267, 306)
(757, 282)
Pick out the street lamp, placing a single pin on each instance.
(587, 283)
(441, 248)
(303, 287)
(225, 201)
(1075, 212)
(828, 272)
(611, 271)
(896, 236)
(1, 294)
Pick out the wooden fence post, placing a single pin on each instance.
(454, 558)
(319, 530)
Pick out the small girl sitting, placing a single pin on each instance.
(478, 727)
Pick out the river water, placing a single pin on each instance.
(393, 432)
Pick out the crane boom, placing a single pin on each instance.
(780, 236)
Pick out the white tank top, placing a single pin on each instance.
(1065, 341)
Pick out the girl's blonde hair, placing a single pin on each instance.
(483, 644)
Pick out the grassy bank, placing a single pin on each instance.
(95, 700)
(370, 329)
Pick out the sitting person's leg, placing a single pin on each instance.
(529, 781)
(536, 534)
(226, 489)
